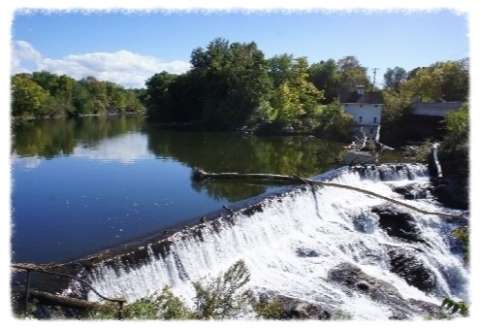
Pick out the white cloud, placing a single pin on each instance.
(28, 163)
(122, 67)
(24, 57)
(126, 149)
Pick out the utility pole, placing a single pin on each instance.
(374, 75)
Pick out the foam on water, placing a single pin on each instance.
(319, 220)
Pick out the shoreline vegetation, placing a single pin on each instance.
(86, 115)
(226, 297)
(44, 95)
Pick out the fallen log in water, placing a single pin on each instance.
(199, 175)
(66, 301)
(46, 269)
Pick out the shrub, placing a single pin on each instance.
(334, 122)
(269, 309)
(172, 307)
(223, 298)
(462, 234)
(455, 307)
(457, 124)
(219, 299)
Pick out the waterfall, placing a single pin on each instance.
(290, 242)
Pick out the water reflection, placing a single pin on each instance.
(83, 185)
(126, 149)
(219, 152)
(130, 139)
(52, 138)
(230, 151)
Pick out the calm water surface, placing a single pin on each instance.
(83, 185)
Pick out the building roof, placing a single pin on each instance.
(375, 97)
(439, 109)
(437, 105)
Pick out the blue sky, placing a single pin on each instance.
(378, 39)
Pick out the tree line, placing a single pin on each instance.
(44, 94)
(441, 81)
(233, 85)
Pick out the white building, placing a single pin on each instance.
(366, 110)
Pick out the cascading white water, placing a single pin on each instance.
(295, 240)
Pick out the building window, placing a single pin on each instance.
(374, 120)
(360, 119)
(372, 130)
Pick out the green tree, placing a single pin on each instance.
(309, 96)
(442, 81)
(158, 98)
(82, 100)
(235, 82)
(117, 98)
(47, 94)
(286, 104)
(394, 77)
(446, 81)
(98, 94)
(132, 103)
(351, 75)
(65, 93)
(28, 98)
(295, 96)
(187, 97)
(48, 81)
(223, 298)
(457, 124)
(280, 69)
(334, 122)
(325, 76)
(455, 80)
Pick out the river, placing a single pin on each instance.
(83, 185)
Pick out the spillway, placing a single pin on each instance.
(293, 241)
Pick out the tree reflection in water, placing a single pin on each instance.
(212, 151)
(222, 152)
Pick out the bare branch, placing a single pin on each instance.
(200, 174)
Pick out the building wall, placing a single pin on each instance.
(367, 118)
(371, 131)
(365, 114)
(435, 109)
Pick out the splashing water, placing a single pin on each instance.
(292, 241)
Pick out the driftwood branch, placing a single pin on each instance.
(199, 174)
(62, 300)
(66, 301)
(28, 267)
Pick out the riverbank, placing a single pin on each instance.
(30, 118)
(452, 189)
(449, 170)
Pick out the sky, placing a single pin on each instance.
(128, 48)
